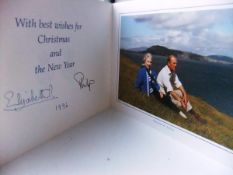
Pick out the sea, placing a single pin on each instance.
(212, 82)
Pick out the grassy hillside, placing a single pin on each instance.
(219, 127)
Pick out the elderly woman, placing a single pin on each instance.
(146, 77)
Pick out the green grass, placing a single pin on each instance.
(219, 127)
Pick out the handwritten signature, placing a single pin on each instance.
(18, 101)
(82, 81)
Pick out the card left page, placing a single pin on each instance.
(54, 68)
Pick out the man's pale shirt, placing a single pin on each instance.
(163, 80)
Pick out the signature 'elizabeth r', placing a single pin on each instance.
(16, 101)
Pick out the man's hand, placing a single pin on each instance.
(186, 99)
(184, 103)
(185, 96)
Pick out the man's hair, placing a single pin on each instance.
(169, 58)
(147, 55)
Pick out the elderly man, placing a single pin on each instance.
(171, 85)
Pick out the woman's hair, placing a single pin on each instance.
(147, 55)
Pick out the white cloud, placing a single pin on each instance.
(190, 31)
(183, 20)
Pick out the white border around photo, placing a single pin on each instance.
(198, 143)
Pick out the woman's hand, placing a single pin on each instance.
(161, 94)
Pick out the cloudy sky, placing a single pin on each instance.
(207, 32)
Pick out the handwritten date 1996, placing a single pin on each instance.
(61, 106)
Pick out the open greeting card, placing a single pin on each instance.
(139, 82)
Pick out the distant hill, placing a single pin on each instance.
(138, 49)
(164, 51)
(221, 58)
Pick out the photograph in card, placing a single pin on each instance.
(178, 66)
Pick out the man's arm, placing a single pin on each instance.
(185, 95)
(175, 96)
(181, 100)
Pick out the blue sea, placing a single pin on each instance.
(210, 81)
